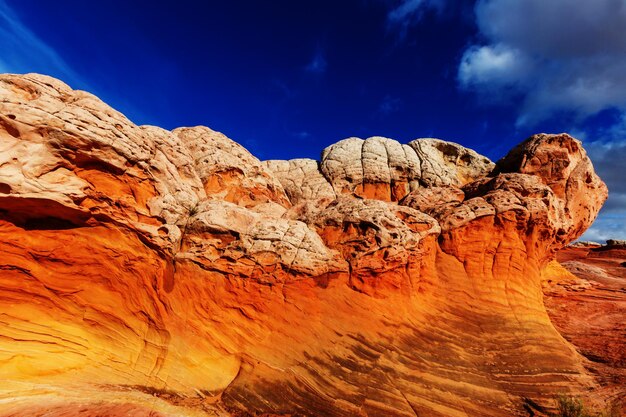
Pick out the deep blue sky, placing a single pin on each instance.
(287, 78)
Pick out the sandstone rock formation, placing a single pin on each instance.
(149, 272)
(383, 169)
(615, 244)
(584, 244)
(586, 301)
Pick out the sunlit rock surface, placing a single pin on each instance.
(148, 272)
(586, 300)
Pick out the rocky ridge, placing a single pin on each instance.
(148, 271)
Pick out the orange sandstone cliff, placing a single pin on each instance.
(171, 273)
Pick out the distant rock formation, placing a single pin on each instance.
(586, 302)
(614, 243)
(154, 272)
(585, 244)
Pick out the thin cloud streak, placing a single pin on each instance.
(21, 50)
(410, 12)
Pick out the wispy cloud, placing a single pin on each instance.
(389, 105)
(318, 64)
(409, 12)
(575, 70)
(302, 135)
(608, 154)
(607, 226)
(550, 67)
(21, 50)
(297, 133)
(608, 158)
(284, 91)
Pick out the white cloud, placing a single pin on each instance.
(607, 226)
(492, 67)
(558, 55)
(557, 28)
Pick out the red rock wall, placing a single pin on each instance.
(136, 277)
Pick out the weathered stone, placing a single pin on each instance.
(144, 271)
(383, 169)
(301, 179)
(228, 171)
(448, 163)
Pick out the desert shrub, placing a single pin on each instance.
(571, 407)
(193, 210)
(575, 407)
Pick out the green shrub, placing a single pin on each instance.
(571, 407)
(575, 407)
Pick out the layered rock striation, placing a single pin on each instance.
(171, 272)
(586, 300)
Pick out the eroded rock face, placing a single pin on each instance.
(562, 164)
(301, 179)
(228, 171)
(147, 271)
(383, 169)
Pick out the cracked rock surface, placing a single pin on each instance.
(168, 273)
